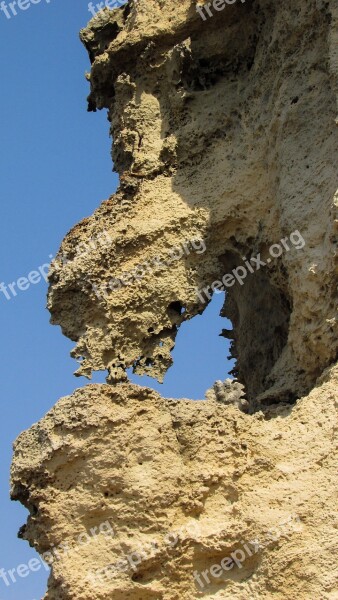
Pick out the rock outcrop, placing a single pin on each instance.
(224, 137)
(223, 131)
(183, 485)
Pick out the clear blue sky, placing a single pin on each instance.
(55, 169)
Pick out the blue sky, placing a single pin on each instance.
(55, 169)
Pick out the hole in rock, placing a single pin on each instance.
(200, 355)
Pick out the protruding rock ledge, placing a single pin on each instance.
(223, 131)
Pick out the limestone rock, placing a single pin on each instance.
(225, 140)
(228, 392)
(181, 485)
(223, 133)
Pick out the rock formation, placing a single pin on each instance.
(224, 138)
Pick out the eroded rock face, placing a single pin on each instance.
(224, 139)
(223, 132)
(139, 495)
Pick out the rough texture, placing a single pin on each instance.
(228, 392)
(223, 130)
(206, 470)
(225, 141)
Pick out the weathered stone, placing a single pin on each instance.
(183, 484)
(224, 137)
(223, 131)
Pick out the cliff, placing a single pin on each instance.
(224, 138)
